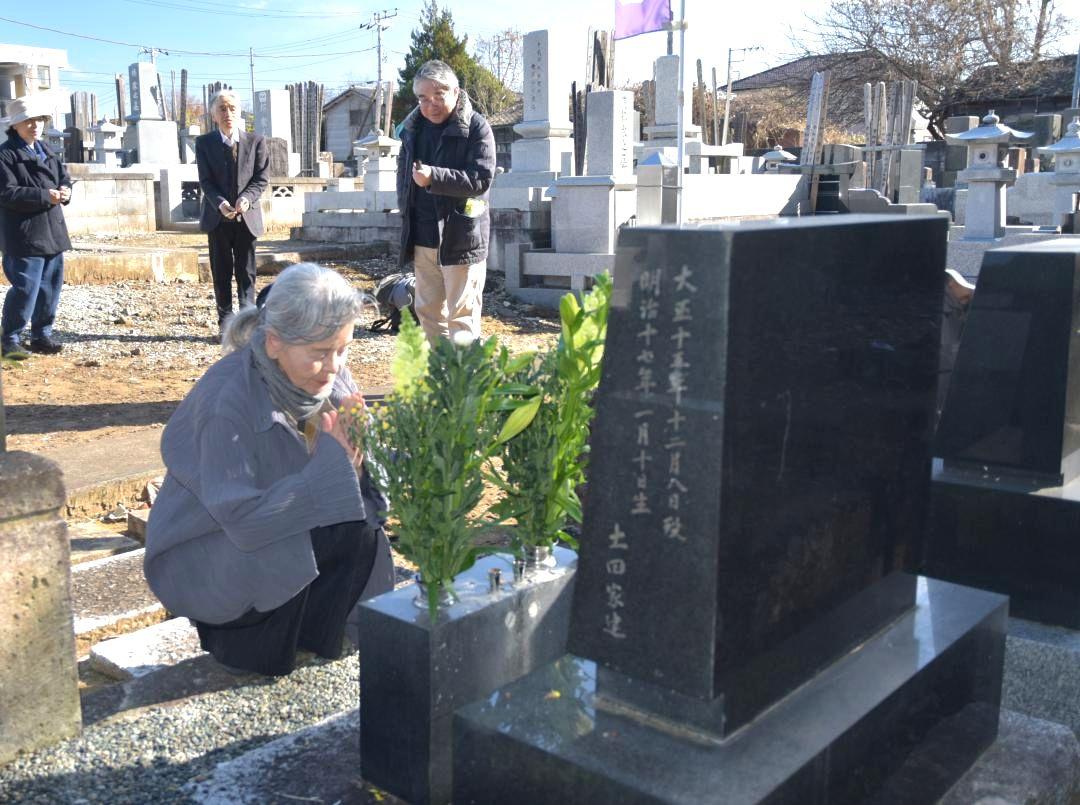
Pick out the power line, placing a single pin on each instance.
(115, 42)
(266, 14)
(181, 52)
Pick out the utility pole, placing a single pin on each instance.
(377, 19)
(727, 89)
(153, 53)
(251, 64)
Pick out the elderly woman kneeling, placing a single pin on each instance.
(266, 531)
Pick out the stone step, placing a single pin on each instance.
(147, 650)
(95, 263)
(110, 597)
(316, 764)
(137, 520)
(92, 540)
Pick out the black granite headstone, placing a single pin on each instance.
(742, 628)
(1012, 402)
(764, 422)
(279, 156)
(1006, 491)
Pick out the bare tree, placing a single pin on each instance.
(939, 43)
(501, 54)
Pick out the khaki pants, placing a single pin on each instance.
(448, 299)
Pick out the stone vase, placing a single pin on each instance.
(414, 673)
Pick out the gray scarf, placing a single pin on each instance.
(295, 402)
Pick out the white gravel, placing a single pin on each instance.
(147, 756)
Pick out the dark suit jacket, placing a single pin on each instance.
(252, 167)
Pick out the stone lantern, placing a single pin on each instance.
(777, 157)
(107, 143)
(54, 138)
(987, 175)
(1066, 178)
(380, 171)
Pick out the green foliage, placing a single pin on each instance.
(435, 39)
(428, 442)
(410, 359)
(545, 438)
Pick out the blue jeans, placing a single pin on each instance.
(34, 295)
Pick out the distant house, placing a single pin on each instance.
(775, 99)
(1018, 91)
(502, 127)
(346, 118)
(25, 70)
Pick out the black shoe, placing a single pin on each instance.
(44, 346)
(14, 352)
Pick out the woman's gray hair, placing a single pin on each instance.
(308, 303)
(438, 72)
(226, 94)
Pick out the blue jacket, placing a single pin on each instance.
(230, 529)
(463, 168)
(30, 225)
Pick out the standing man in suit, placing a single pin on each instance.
(234, 169)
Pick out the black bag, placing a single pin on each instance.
(393, 294)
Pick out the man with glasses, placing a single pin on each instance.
(445, 168)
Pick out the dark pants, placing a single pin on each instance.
(314, 619)
(232, 254)
(33, 297)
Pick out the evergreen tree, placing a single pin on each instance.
(435, 39)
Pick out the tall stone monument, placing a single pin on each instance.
(663, 135)
(666, 103)
(587, 211)
(152, 138)
(545, 129)
(743, 627)
(273, 115)
(142, 91)
(519, 199)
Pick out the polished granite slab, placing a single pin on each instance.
(850, 734)
(1013, 403)
(760, 453)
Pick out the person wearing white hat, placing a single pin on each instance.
(34, 183)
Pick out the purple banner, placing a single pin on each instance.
(633, 17)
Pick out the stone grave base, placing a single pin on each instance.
(350, 226)
(545, 276)
(414, 674)
(976, 529)
(512, 229)
(155, 141)
(846, 735)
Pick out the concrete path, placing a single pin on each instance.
(100, 474)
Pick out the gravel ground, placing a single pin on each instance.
(132, 350)
(147, 756)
